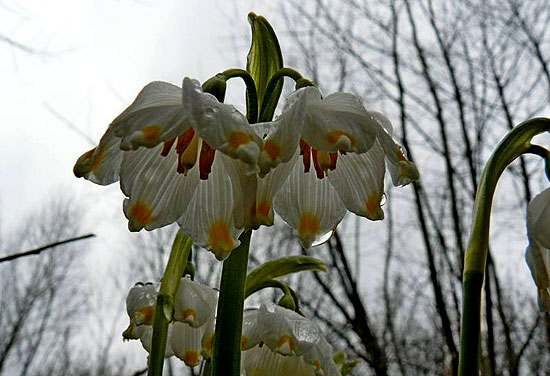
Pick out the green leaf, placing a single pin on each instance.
(278, 268)
(264, 59)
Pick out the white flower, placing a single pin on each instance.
(537, 254)
(334, 138)
(164, 149)
(278, 341)
(191, 330)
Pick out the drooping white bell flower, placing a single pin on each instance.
(537, 254)
(333, 152)
(277, 341)
(164, 149)
(191, 330)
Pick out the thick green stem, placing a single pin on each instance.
(516, 143)
(165, 301)
(229, 318)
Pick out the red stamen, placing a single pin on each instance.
(333, 159)
(167, 146)
(318, 170)
(206, 159)
(184, 140)
(305, 151)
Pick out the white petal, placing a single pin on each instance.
(402, 170)
(140, 303)
(101, 165)
(339, 122)
(252, 334)
(261, 361)
(148, 335)
(209, 217)
(538, 260)
(538, 218)
(284, 133)
(220, 125)
(320, 358)
(286, 332)
(359, 181)
(158, 194)
(267, 188)
(195, 304)
(156, 115)
(185, 343)
(244, 192)
(310, 205)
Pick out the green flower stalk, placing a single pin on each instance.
(514, 144)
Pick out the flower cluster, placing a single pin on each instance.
(191, 331)
(182, 156)
(278, 341)
(537, 254)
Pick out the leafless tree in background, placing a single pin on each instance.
(453, 77)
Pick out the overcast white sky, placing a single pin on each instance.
(94, 56)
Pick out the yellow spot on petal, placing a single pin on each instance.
(189, 312)
(144, 316)
(191, 358)
(237, 139)
(317, 365)
(208, 343)
(97, 158)
(272, 149)
(333, 137)
(219, 236)
(372, 203)
(151, 133)
(263, 208)
(244, 341)
(286, 344)
(140, 213)
(308, 225)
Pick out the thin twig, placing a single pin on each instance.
(43, 248)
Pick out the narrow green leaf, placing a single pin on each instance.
(279, 267)
(165, 301)
(264, 59)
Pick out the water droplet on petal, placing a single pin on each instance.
(322, 238)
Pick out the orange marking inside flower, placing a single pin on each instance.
(263, 208)
(334, 136)
(316, 156)
(272, 149)
(96, 160)
(151, 133)
(167, 147)
(145, 315)
(244, 341)
(400, 155)
(206, 159)
(308, 225)
(317, 365)
(333, 160)
(189, 312)
(219, 236)
(140, 213)
(191, 358)
(184, 140)
(372, 203)
(188, 158)
(237, 139)
(286, 340)
(305, 152)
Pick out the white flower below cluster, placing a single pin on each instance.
(277, 342)
(537, 254)
(191, 331)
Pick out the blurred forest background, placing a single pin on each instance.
(454, 77)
